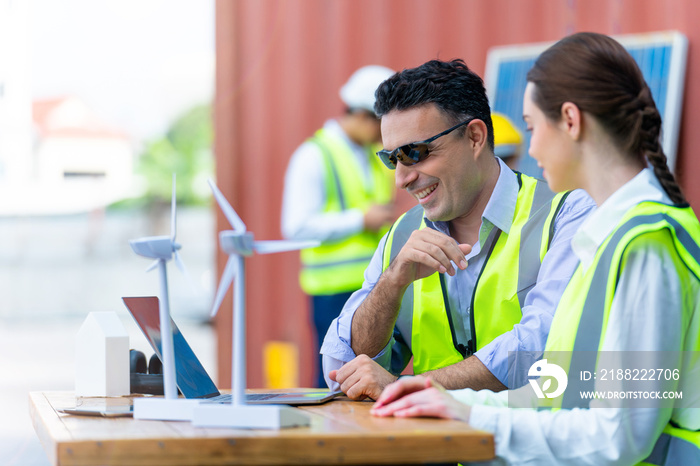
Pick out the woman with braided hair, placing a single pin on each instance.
(632, 303)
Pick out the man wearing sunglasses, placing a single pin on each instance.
(338, 192)
(499, 240)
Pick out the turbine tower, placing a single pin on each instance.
(163, 249)
(239, 244)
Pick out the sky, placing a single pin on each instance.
(137, 63)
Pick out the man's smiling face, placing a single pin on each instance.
(447, 182)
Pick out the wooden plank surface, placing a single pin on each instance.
(341, 432)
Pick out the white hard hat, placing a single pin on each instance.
(358, 91)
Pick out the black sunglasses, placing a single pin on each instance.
(411, 154)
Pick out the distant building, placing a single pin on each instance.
(75, 163)
(72, 145)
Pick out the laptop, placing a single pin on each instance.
(192, 379)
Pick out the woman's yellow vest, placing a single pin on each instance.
(338, 266)
(510, 270)
(579, 324)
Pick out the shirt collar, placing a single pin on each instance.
(500, 209)
(598, 226)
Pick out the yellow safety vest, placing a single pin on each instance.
(510, 270)
(338, 266)
(579, 324)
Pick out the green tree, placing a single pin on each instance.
(184, 150)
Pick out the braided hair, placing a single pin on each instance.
(597, 74)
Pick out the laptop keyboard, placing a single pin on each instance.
(226, 398)
(259, 396)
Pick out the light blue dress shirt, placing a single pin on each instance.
(530, 334)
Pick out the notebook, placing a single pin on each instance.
(192, 379)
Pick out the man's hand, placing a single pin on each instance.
(426, 252)
(362, 378)
(379, 215)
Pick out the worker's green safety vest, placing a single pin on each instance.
(425, 321)
(578, 328)
(338, 266)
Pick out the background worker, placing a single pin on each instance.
(338, 192)
(507, 139)
(632, 302)
(460, 324)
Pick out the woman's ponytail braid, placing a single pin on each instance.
(650, 145)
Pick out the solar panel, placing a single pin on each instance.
(660, 55)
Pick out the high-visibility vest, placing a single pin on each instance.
(513, 260)
(338, 266)
(579, 324)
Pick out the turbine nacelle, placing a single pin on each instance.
(235, 242)
(155, 247)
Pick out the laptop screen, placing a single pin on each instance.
(192, 379)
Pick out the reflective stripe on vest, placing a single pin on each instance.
(338, 266)
(425, 320)
(591, 309)
(675, 447)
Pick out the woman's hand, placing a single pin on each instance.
(419, 397)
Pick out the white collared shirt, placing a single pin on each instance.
(597, 227)
(646, 315)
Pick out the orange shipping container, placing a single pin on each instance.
(280, 64)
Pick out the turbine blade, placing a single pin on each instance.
(173, 213)
(268, 247)
(229, 213)
(230, 272)
(153, 265)
(181, 265)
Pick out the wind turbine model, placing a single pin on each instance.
(162, 249)
(239, 244)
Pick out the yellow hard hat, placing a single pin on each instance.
(507, 138)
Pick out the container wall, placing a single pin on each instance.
(280, 64)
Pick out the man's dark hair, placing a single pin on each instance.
(450, 85)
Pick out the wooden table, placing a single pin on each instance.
(341, 432)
